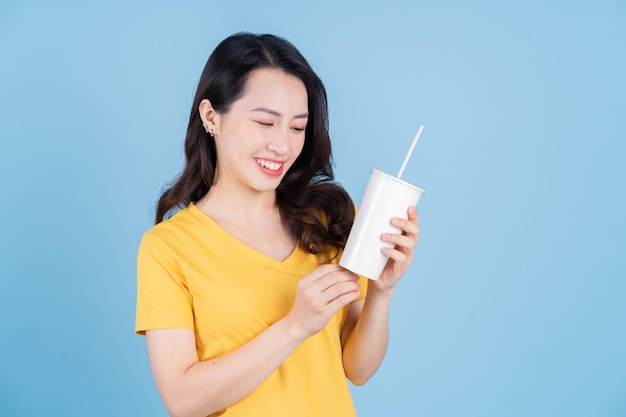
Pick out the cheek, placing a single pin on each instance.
(246, 138)
(297, 145)
(253, 135)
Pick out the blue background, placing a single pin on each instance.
(516, 303)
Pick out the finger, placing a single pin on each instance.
(413, 214)
(403, 241)
(408, 227)
(321, 299)
(323, 271)
(396, 255)
(414, 219)
(340, 288)
(343, 299)
(335, 278)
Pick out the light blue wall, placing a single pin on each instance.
(516, 303)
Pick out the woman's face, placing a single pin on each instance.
(262, 134)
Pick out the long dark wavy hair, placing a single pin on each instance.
(317, 211)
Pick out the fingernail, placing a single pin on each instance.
(395, 221)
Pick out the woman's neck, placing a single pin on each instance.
(254, 220)
(244, 206)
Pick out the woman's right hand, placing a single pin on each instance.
(320, 294)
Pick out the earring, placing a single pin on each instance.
(211, 133)
(207, 130)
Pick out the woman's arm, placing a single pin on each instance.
(190, 388)
(367, 333)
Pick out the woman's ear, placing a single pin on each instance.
(208, 115)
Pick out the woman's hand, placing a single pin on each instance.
(401, 256)
(319, 296)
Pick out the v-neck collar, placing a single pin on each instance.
(222, 233)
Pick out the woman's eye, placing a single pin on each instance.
(265, 123)
(298, 129)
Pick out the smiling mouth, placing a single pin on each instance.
(271, 165)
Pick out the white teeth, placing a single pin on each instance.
(267, 164)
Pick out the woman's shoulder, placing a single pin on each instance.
(180, 223)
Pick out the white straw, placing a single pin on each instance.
(408, 154)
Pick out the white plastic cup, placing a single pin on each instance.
(385, 197)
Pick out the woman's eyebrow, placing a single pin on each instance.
(275, 113)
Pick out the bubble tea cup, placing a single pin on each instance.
(385, 197)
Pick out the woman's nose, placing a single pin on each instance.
(279, 144)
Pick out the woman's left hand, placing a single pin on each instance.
(400, 256)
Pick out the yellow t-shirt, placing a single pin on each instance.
(193, 274)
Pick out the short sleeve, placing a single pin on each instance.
(163, 297)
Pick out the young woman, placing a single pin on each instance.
(245, 309)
